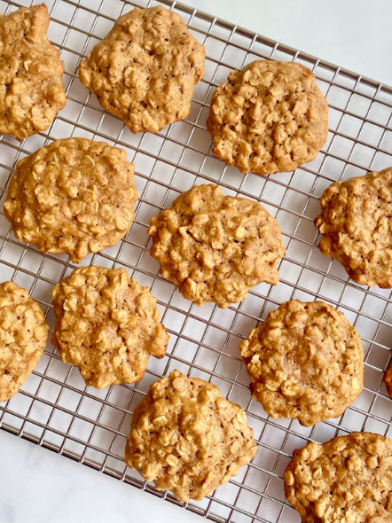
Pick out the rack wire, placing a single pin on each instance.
(55, 409)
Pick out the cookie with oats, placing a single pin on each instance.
(269, 117)
(107, 325)
(388, 379)
(31, 91)
(346, 480)
(74, 196)
(355, 222)
(187, 438)
(305, 361)
(23, 337)
(145, 69)
(215, 247)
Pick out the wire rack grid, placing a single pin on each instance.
(54, 407)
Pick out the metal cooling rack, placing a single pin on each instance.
(55, 409)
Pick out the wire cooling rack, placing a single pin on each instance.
(54, 407)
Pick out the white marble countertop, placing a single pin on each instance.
(38, 486)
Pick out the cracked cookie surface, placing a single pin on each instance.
(145, 69)
(216, 247)
(355, 222)
(305, 361)
(74, 196)
(187, 438)
(269, 117)
(107, 325)
(31, 91)
(346, 480)
(23, 337)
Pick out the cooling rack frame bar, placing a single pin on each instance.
(244, 499)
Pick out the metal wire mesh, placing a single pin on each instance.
(54, 407)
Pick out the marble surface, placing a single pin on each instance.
(354, 34)
(39, 486)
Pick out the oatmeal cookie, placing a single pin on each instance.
(187, 438)
(388, 379)
(216, 247)
(270, 117)
(74, 196)
(145, 69)
(107, 325)
(31, 91)
(355, 221)
(23, 337)
(346, 480)
(305, 361)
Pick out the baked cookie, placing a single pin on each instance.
(305, 361)
(216, 247)
(187, 438)
(23, 337)
(31, 91)
(107, 325)
(270, 117)
(74, 196)
(346, 480)
(145, 69)
(388, 379)
(355, 221)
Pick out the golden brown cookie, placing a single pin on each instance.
(31, 91)
(145, 69)
(74, 196)
(216, 247)
(305, 361)
(107, 325)
(355, 221)
(269, 117)
(187, 438)
(23, 337)
(346, 480)
(388, 379)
